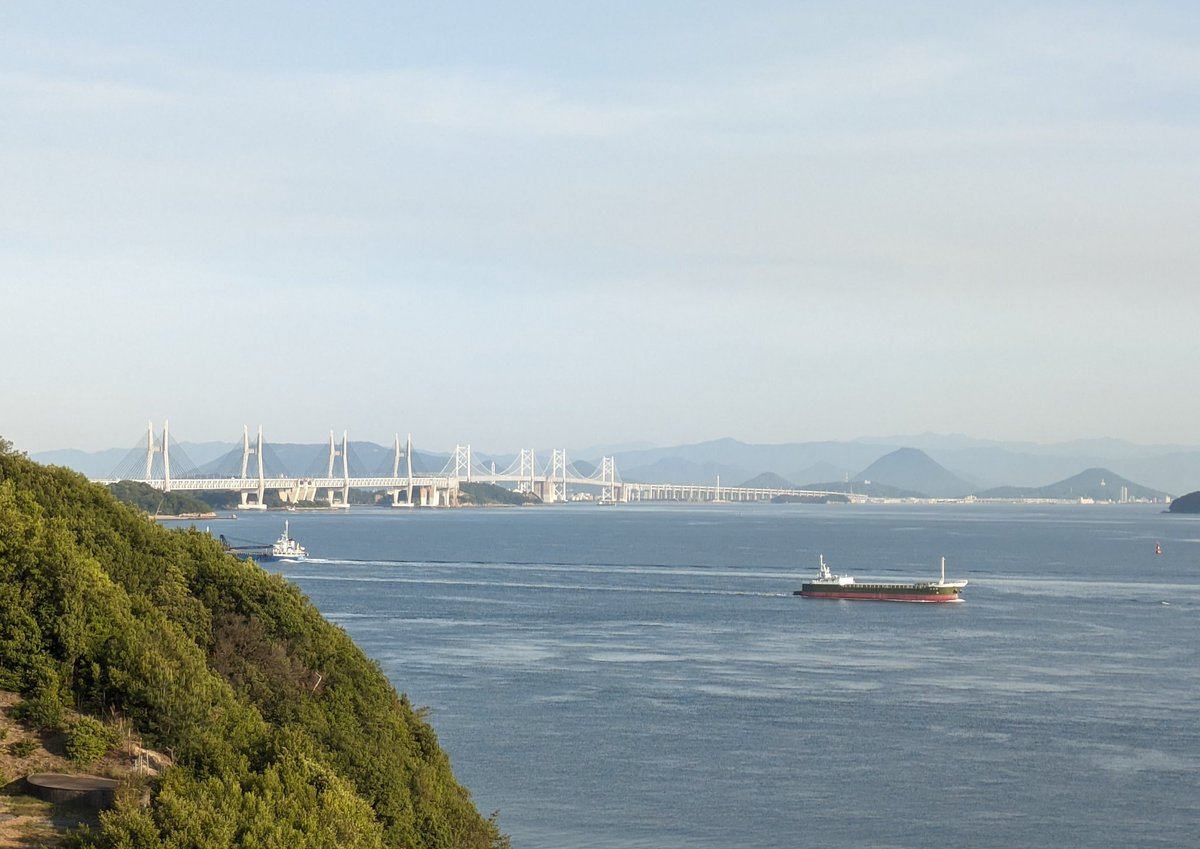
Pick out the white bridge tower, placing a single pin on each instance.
(260, 490)
(556, 485)
(344, 453)
(404, 454)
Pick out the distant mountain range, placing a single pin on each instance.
(910, 473)
(926, 464)
(970, 465)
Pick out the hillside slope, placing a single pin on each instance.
(1096, 484)
(913, 469)
(283, 732)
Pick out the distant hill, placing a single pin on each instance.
(607, 450)
(677, 470)
(768, 480)
(583, 467)
(1101, 447)
(874, 489)
(819, 472)
(752, 459)
(94, 464)
(809, 499)
(106, 463)
(1189, 503)
(1096, 484)
(914, 470)
(1176, 472)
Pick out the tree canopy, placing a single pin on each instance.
(150, 500)
(283, 732)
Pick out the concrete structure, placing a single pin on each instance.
(90, 791)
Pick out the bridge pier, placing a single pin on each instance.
(396, 500)
(434, 496)
(338, 497)
(303, 490)
(257, 504)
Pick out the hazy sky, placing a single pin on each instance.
(564, 224)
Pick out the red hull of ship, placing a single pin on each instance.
(881, 596)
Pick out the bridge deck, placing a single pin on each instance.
(639, 491)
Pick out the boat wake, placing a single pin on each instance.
(653, 569)
(533, 585)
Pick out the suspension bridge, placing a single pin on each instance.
(256, 468)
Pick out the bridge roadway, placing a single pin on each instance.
(434, 490)
(696, 492)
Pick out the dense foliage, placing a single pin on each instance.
(283, 732)
(88, 740)
(150, 500)
(486, 493)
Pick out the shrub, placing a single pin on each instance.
(23, 748)
(44, 710)
(88, 740)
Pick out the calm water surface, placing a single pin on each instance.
(642, 676)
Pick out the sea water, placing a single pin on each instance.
(642, 676)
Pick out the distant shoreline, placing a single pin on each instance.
(191, 517)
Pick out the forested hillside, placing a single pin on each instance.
(149, 500)
(282, 731)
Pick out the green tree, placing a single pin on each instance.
(88, 740)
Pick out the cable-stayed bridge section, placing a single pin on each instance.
(257, 468)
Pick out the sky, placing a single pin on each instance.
(552, 224)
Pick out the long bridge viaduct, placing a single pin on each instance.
(557, 480)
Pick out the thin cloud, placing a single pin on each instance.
(75, 95)
(459, 101)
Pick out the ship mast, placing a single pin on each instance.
(943, 571)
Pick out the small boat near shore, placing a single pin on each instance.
(829, 585)
(284, 548)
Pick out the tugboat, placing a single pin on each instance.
(829, 585)
(284, 548)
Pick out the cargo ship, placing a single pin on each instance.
(829, 585)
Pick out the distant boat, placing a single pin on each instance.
(829, 585)
(284, 548)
